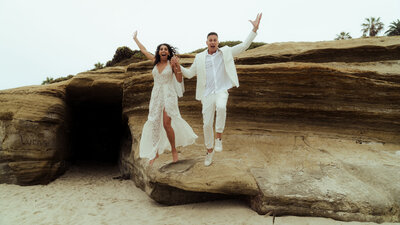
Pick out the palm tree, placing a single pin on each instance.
(372, 26)
(343, 35)
(394, 29)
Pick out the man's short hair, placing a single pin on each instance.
(212, 33)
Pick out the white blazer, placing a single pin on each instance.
(199, 65)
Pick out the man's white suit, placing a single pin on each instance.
(216, 101)
(199, 68)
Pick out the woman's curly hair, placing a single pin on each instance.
(172, 51)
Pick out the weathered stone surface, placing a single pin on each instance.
(324, 180)
(349, 51)
(312, 130)
(32, 128)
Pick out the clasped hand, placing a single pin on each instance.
(175, 61)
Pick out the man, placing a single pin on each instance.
(216, 74)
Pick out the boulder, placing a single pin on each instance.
(32, 134)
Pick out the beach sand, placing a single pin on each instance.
(88, 194)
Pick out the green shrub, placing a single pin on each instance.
(343, 36)
(125, 56)
(98, 66)
(50, 80)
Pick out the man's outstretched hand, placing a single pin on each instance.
(256, 22)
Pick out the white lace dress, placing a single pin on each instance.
(164, 96)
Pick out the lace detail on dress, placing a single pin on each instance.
(163, 96)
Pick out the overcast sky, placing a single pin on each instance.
(51, 38)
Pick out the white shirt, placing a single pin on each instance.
(216, 78)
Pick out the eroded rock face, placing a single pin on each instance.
(32, 134)
(312, 130)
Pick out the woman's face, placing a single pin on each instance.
(163, 52)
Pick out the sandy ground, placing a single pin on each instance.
(88, 195)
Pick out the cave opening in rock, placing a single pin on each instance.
(96, 129)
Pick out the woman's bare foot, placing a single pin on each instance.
(174, 156)
(152, 161)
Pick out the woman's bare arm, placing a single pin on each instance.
(176, 67)
(142, 48)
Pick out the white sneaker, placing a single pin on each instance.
(218, 145)
(208, 159)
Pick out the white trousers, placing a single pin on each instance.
(211, 103)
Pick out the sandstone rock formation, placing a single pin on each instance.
(312, 130)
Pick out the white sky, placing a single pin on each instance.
(52, 38)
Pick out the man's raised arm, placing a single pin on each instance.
(237, 49)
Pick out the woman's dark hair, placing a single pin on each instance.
(171, 50)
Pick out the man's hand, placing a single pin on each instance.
(256, 22)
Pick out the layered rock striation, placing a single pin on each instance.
(312, 130)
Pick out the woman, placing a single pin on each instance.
(163, 108)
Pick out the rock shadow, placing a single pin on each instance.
(97, 130)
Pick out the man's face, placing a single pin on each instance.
(212, 43)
